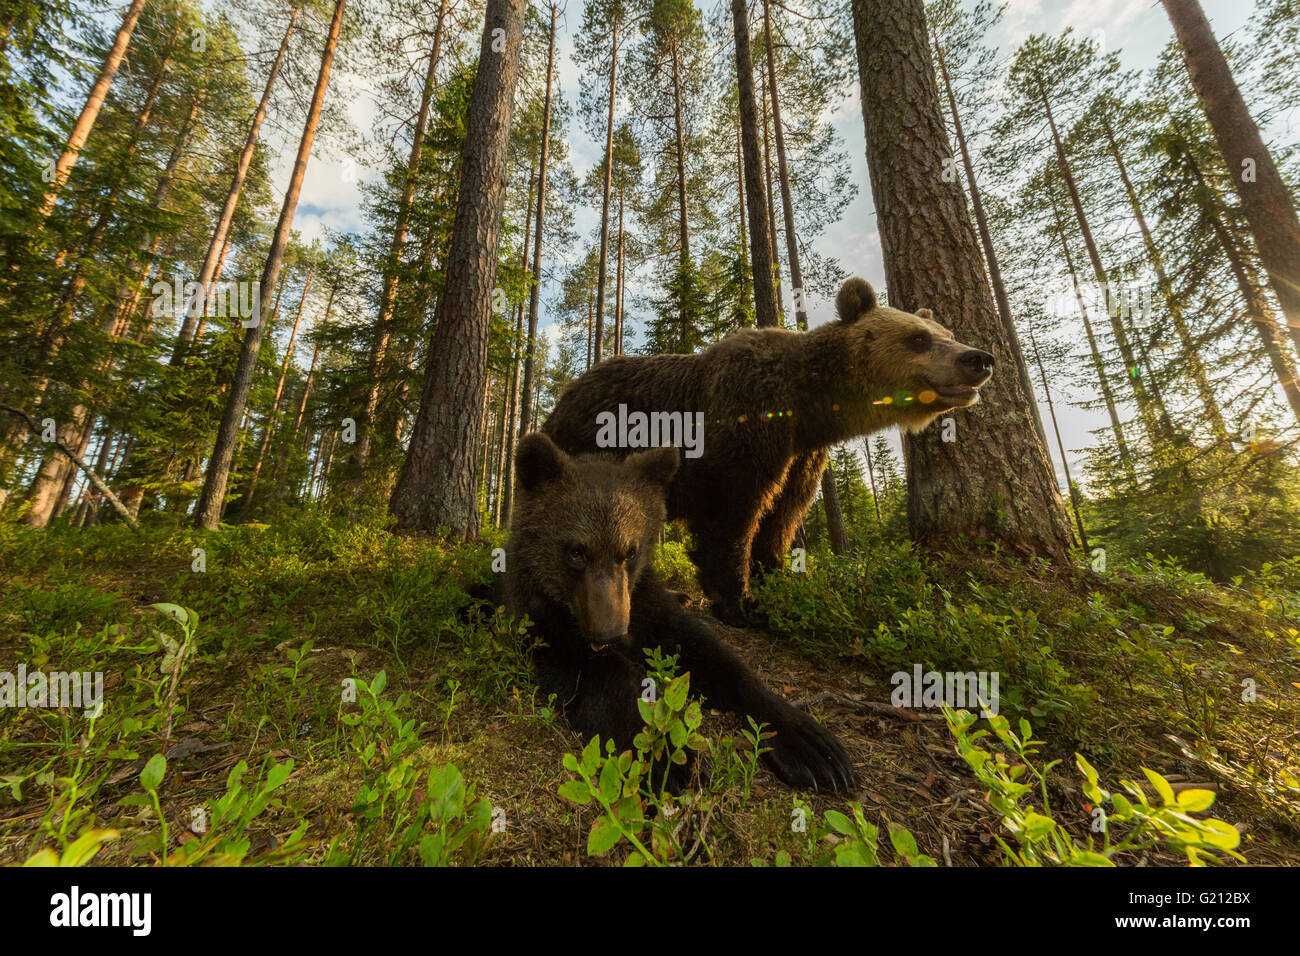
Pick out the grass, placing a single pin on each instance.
(286, 745)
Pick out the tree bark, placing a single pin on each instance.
(90, 111)
(1060, 445)
(760, 244)
(1249, 288)
(598, 340)
(437, 487)
(783, 175)
(771, 215)
(535, 290)
(512, 387)
(208, 511)
(1265, 199)
(618, 282)
(995, 481)
(216, 248)
(268, 430)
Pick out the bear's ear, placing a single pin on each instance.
(856, 297)
(656, 466)
(925, 314)
(539, 461)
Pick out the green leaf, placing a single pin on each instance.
(609, 781)
(86, 846)
(1037, 827)
(1089, 858)
(152, 774)
(175, 612)
(602, 838)
(675, 695)
(1162, 786)
(903, 841)
(576, 791)
(1222, 835)
(1192, 801)
(839, 822)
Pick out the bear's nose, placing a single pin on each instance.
(977, 362)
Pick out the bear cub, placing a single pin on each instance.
(579, 564)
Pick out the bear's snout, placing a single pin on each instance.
(977, 364)
(603, 605)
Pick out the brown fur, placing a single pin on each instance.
(596, 603)
(774, 402)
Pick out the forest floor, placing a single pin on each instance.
(1142, 668)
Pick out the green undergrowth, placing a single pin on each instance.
(324, 693)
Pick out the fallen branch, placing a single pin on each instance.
(95, 480)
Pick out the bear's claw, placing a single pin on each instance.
(806, 755)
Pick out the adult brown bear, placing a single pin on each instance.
(772, 402)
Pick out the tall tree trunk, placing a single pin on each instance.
(618, 282)
(996, 480)
(388, 295)
(1098, 363)
(838, 533)
(787, 203)
(1190, 352)
(90, 111)
(54, 467)
(1265, 198)
(268, 430)
(307, 387)
(437, 487)
(123, 161)
(771, 215)
(871, 476)
(686, 316)
(740, 217)
(1257, 307)
(221, 235)
(208, 511)
(535, 288)
(1131, 367)
(1060, 445)
(760, 244)
(990, 257)
(598, 340)
(512, 386)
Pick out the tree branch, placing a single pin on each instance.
(95, 480)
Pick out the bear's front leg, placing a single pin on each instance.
(599, 692)
(771, 547)
(802, 753)
(723, 524)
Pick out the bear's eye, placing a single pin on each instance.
(919, 341)
(575, 556)
(631, 553)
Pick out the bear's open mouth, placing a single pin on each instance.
(955, 391)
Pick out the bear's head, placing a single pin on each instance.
(916, 368)
(584, 529)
